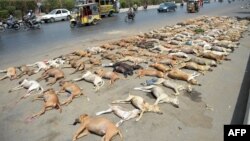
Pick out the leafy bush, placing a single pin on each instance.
(18, 14)
(11, 9)
(4, 14)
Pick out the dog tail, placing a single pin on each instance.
(102, 83)
(120, 134)
(108, 65)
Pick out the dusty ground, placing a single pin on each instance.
(192, 121)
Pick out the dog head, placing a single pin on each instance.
(81, 119)
(21, 81)
(62, 82)
(137, 67)
(175, 102)
(157, 109)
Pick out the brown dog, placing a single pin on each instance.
(52, 72)
(107, 47)
(79, 65)
(197, 67)
(50, 99)
(82, 53)
(217, 58)
(112, 76)
(181, 75)
(146, 72)
(160, 67)
(71, 88)
(10, 73)
(98, 125)
(139, 103)
(25, 70)
(95, 61)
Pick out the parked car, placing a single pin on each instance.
(56, 15)
(206, 1)
(166, 7)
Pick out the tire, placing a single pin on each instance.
(16, 26)
(110, 14)
(68, 17)
(94, 22)
(52, 20)
(38, 26)
(2, 28)
(72, 24)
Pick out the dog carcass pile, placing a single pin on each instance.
(197, 44)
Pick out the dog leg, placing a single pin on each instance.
(142, 112)
(84, 133)
(109, 134)
(42, 111)
(69, 100)
(104, 112)
(78, 79)
(16, 88)
(78, 132)
(119, 123)
(4, 77)
(36, 71)
(142, 89)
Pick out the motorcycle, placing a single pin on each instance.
(10, 25)
(130, 17)
(32, 23)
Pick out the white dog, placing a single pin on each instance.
(41, 65)
(124, 114)
(160, 95)
(56, 62)
(93, 78)
(31, 85)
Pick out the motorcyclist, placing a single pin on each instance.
(131, 13)
(31, 17)
(10, 20)
(145, 6)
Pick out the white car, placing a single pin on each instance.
(56, 15)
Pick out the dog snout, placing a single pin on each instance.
(176, 106)
(160, 113)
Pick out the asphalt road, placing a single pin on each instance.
(26, 44)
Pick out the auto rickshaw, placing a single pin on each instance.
(192, 6)
(85, 14)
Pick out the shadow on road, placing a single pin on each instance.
(240, 108)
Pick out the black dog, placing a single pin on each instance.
(124, 68)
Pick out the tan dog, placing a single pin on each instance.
(52, 72)
(25, 70)
(71, 88)
(111, 57)
(135, 60)
(10, 73)
(181, 75)
(95, 61)
(139, 103)
(50, 99)
(196, 67)
(98, 125)
(79, 65)
(107, 47)
(146, 72)
(82, 53)
(217, 58)
(160, 67)
(112, 76)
